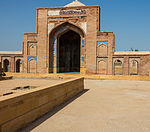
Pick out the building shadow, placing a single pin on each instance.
(46, 116)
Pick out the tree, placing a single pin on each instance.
(133, 49)
(136, 50)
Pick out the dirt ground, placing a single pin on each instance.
(105, 106)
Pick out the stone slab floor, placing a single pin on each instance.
(7, 85)
(108, 106)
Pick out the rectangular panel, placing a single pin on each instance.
(53, 12)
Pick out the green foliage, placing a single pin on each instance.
(136, 50)
(133, 49)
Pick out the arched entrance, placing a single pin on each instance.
(18, 65)
(66, 46)
(68, 52)
(6, 65)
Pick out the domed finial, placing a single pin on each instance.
(74, 3)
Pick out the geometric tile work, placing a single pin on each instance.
(35, 58)
(102, 42)
(83, 42)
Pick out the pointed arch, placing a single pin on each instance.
(134, 67)
(18, 65)
(6, 65)
(102, 67)
(102, 50)
(32, 66)
(64, 27)
(32, 49)
(54, 36)
(118, 67)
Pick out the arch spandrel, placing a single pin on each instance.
(66, 26)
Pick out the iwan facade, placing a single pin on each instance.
(68, 40)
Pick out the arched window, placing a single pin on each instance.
(118, 67)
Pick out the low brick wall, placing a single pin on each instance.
(19, 109)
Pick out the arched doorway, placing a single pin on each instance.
(118, 67)
(66, 49)
(18, 65)
(6, 65)
(134, 67)
(68, 52)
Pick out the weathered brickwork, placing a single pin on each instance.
(43, 51)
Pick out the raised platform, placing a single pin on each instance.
(106, 106)
(20, 108)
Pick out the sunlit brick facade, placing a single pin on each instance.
(69, 40)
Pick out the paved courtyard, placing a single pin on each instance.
(106, 106)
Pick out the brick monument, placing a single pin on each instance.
(69, 40)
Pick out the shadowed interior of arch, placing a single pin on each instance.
(6, 65)
(68, 52)
(18, 65)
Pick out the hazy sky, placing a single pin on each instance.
(128, 19)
